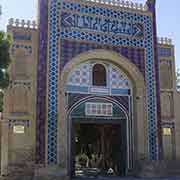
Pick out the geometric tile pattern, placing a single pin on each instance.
(56, 34)
(74, 98)
(118, 79)
(152, 9)
(81, 76)
(53, 81)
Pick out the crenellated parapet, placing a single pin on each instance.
(122, 3)
(23, 23)
(164, 41)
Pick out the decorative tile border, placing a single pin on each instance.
(73, 98)
(53, 81)
(41, 83)
(57, 33)
(152, 9)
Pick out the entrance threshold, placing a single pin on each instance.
(103, 178)
(99, 151)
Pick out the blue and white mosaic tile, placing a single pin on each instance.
(131, 35)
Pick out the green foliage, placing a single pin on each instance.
(4, 79)
(178, 79)
(5, 43)
(1, 101)
(5, 60)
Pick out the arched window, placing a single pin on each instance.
(99, 75)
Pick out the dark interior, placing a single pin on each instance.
(98, 150)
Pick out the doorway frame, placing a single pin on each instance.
(122, 123)
(129, 140)
(139, 112)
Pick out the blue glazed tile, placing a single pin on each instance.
(96, 37)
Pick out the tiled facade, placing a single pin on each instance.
(80, 34)
(73, 33)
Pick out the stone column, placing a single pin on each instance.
(4, 147)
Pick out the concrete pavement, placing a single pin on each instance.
(128, 178)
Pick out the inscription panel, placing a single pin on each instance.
(103, 25)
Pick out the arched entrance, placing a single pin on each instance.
(99, 138)
(124, 84)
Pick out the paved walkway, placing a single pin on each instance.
(128, 178)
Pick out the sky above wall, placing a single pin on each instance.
(168, 17)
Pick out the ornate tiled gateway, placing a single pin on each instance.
(92, 66)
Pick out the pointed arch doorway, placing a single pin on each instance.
(123, 83)
(98, 139)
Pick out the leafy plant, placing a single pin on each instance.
(5, 60)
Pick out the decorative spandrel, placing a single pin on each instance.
(80, 76)
(81, 80)
(119, 79)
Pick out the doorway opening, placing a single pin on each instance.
(99, 149)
